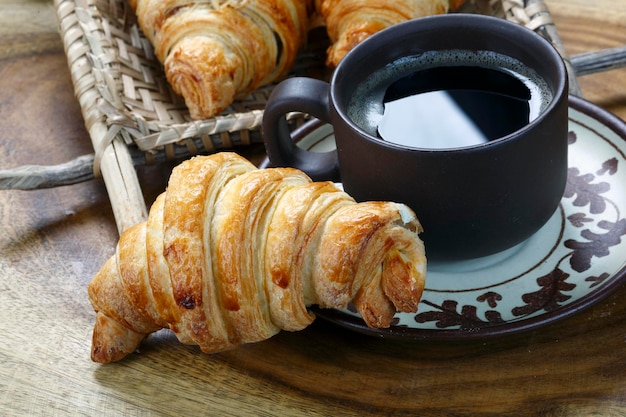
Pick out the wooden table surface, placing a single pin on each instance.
(53, 241)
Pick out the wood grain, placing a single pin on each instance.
(589, 26)
(53, 241)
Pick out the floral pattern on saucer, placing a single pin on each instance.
(574, 261)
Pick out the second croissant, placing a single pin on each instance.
(349, 22)
(219, 50)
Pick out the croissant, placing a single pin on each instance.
(214, 51)
(349, 22)
(232, 254)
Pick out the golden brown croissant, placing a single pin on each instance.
(349, 22)
(215, 51)
(231, 254)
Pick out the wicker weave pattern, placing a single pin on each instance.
(119, 82)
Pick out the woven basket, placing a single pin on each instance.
(133, 117)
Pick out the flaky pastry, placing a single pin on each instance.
(215, 51)
(232, 254)
(349, 22)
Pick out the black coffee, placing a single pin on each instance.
(448, 100)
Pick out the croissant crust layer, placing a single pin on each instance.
(349, 22)
(216, 51)
(232, 254)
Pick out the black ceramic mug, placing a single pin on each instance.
(473, 199)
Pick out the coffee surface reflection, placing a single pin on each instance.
(461, 99)
(426, 110)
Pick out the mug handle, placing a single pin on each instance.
(305, 95)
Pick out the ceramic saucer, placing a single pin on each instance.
(574, 261)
